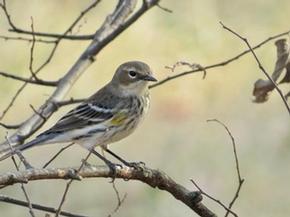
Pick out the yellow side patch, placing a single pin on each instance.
(118, 119)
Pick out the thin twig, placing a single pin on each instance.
(11, 103)
(38, 113)
(219, 64)
(8, 126)
(32, 52)
(70, 101)
(120, 200)
(164, 8)
(13, 38)
(57, 154)
(52, 35)
(49, 58)
(240, 179)
(259, 64)
(29, 80)
(69, 184)
(234, 146)
(14, 201)
(213, 199)
(21, 184)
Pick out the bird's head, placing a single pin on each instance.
(131, 78)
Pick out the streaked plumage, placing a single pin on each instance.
(109, 115)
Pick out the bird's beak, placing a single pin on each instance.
(148, 78)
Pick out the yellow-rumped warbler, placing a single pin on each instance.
(109, 115)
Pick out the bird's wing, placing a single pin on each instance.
(86, 114)
(98, 109)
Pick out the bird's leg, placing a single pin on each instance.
(26, 164)
(136, 165)
(111, 165)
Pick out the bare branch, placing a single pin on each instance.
(7, 126)
(11, 103)
(49, 58)
(69, 102)
(214, 199)
(52, 35)
(57, 154)
(21, 184)
(154, 178)
(120, 200)
(12, 38)
(240, 179)
(29, 80)
(14, 201)
(259, 64)
(32, 53)
(69, 184)
(164, 8)
(234, 147)
(219, 64)
(38, 113)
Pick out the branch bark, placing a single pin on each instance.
(152, 177)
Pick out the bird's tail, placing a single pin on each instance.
(8, 151)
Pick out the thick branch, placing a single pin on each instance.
(154, 178)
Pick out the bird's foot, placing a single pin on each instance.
(113, 169)
(74, 174)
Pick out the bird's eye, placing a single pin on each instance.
(132, 74)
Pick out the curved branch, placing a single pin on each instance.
(152, 177)
(9, 126)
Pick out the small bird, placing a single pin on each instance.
(109, 115)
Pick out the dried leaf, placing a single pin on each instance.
(286, 78)
(262, 88)
(287, 95)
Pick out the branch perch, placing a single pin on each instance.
(152, 177)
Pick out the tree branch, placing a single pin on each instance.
(50, 35)
(259, 64)
(154, 178)
(9, 126)
(219, 64)
(29, 80)
(18, 38)
(240, 179)
(50, 56)
(14, 201)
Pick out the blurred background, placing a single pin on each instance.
(175, 136)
